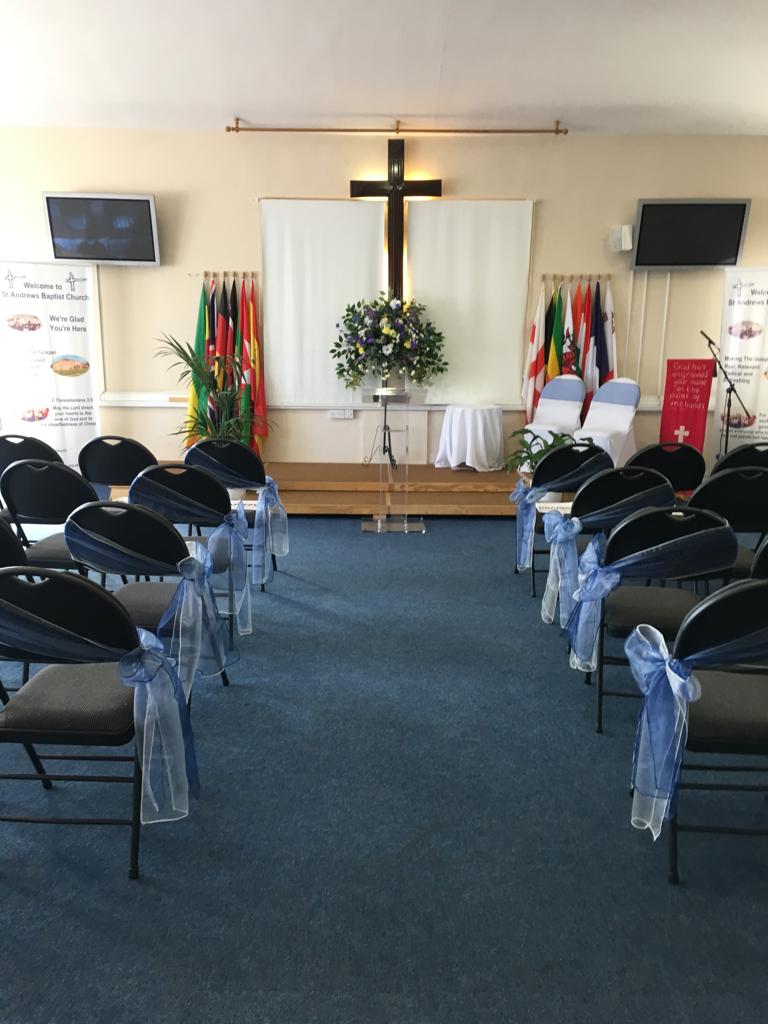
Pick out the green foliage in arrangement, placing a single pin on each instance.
(531, 449)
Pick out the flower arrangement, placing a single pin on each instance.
(384, 335)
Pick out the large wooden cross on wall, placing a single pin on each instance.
(395, 189)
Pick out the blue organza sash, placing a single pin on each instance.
(526, 497)
(175, 507)
(705, 551)
(164, 740)
(228, 476)
(667, 686)
(270, 532)
(561, 533)
(198, 634)
(229, 576)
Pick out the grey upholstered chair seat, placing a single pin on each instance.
(732, 712)
(146, 602)
(51, 553)
(742, 567)
(64, 699)
(662, 607)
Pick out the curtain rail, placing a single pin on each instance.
(237, 126)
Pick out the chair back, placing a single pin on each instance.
(15, 447)
(33, 616)
(560, 404)
(682, 464)
(12, 551)
(697, 541)
(755, 454)
(183, 494)
(725, 617)
(613, 407)
(112, 536)
(112, 460)
(573, 462)
(610, 496)
(232, 463)
(759, 570)
(740, 495)
(43, 492)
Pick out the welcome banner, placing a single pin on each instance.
(49, 344)
(744, 353)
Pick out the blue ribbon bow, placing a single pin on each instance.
(229, 577)
(270, 533)
(563, 576)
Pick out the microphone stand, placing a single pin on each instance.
(730, 391)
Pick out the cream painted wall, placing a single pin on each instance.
(207, 188)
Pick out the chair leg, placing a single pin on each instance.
(224, 677)
(674, 876)
(133, 870)
(600, 670)
(37, 764)
(104, 580)
(25, 673)
(274, 562)
(533, 572)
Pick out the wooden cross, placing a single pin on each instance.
(395, 189)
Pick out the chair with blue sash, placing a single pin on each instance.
(559, 408)
(599, 505)
(113, 461)
(741, 496)
(238, 466)
(114, 537)
(191, 495)
(659, 544)
(105, 685)
(610, 417)
(754, 454)
(682, 464)
(710, 696)
(564, 469)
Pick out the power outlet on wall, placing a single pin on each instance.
(342, 414)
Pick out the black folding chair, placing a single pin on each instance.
(741, 496)
(69, 704)
(682, 464)
(14, 447)
(754, 454)
(45, 493)
(731, 716)
(113, 461)
(759, 569)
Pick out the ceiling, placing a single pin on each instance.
(599, 65)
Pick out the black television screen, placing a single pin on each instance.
(103, 228)
(689, 233)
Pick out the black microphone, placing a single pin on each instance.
(712, 346)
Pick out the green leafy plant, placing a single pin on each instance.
(218, 412)
(531, 449)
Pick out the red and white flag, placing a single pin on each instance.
(588, 353)
(610, 334)
(535, 368)
(569, 362)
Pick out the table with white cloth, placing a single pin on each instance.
(472, 435)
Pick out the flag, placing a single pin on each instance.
(196, 395)
(569, 361)
(609, 330)
(246, 381)
(556, 347)
(601, 346)
(588, 365)
(549, 318)
(231, 333)
(222, 328)
(578, 315)
(535, 370)
(211, 349)
(259, 426)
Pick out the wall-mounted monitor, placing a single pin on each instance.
(103, 228)
(675, 234)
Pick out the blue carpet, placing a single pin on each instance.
(406, 819)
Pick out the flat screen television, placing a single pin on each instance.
(672, 234)
(103, 228)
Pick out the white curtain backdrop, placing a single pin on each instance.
(318, 256)
(468, 262)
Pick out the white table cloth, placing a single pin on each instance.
(472, 435)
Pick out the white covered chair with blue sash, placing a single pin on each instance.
(113, 537)
(105, 685)
(189, 494)
(564, 469)
(610, 418)
(710, 696)
(657, 544)
(598, 506)
(559, 408)
(237, 466)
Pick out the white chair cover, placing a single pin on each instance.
(559, 407)
(610, 418)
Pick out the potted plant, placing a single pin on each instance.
(384, 336)
(531, 449)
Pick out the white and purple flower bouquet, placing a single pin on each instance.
(386, 335)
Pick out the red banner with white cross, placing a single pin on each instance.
(686, 401)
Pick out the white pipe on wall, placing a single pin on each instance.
(663, 343)
(629, 319)
(642, 327)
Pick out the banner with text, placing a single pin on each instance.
(744, 353)
(686, 401)
(49, 334)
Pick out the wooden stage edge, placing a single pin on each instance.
(341, 489)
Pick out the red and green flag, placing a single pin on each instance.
(554, 363)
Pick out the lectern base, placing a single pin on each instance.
(394, 524)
